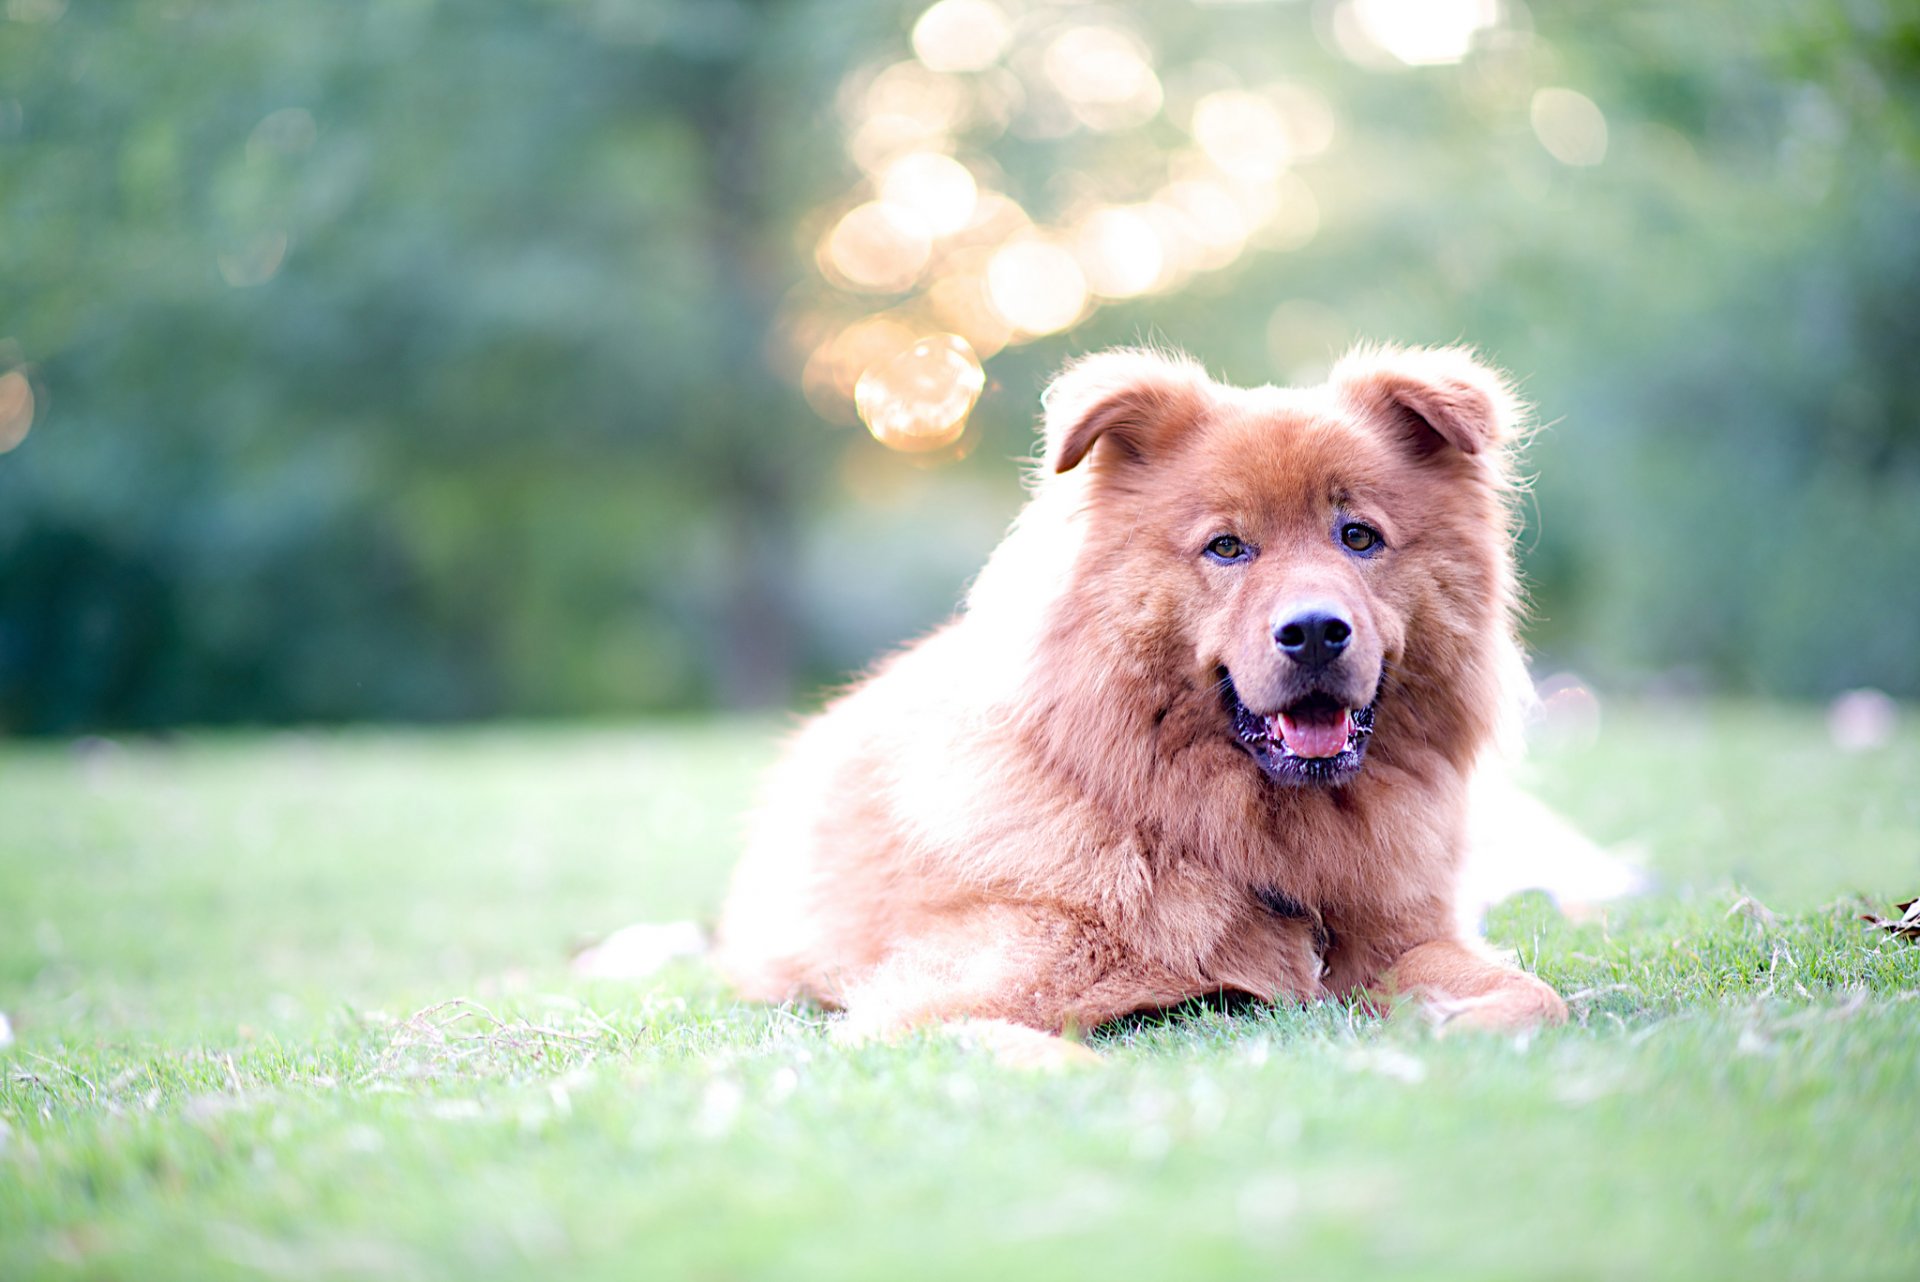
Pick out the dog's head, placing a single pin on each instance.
(1321, 566)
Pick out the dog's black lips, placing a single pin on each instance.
(1282, 766)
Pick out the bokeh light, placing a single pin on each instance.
(961, 35)
(935, 187)
(935, 228)
(1307, 118)
(1570, 126)
(16, 409)
(959, 303)
(904, 108)
(878, 247)
(1243, 133)
(936, 103)
(1037, 285)
(1105, 75)
(1418, 33)
(1213, 219)
(996, 219)
(834, 369)
(919, 399)
(1119, 252)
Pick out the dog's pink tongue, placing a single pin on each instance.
(1317, 738)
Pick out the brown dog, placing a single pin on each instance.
(1206, 722)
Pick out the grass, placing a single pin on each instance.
(297, 1006)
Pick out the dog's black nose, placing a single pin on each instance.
(1314, 637)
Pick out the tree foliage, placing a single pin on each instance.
(426, 359)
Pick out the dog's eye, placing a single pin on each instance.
(1227, 548)
(1358, 537)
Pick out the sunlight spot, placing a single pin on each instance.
(908, 89)
(937, 188)
(878, 247)
(1214, 217)
(1037, 285)
(1256, 196)
(920, 399)
(1180, 249)
(1106, 76)
(822, 389)
(1418, 33)
(961, 35)
(16, 409)
(880, 139)
(1241, 132)
(1570, 126)
(959, 302)
(904, 108)
(997, 96)
(1308, 118)
(1119, 251)
(996, 219)
(838, 363)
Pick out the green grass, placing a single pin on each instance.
(213, 951)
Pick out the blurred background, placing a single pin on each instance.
(446, 359)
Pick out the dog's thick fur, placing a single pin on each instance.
(1044, 813)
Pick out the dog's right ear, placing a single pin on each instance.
(1132, 397)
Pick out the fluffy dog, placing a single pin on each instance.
(1206, 722)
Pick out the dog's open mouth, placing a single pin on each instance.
(1316, 740)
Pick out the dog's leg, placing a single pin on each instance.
(967, 1004)
(1011, 979)
(1273, 955)
(1466, 989)
(1017, 1046)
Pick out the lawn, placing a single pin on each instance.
(297, 1005)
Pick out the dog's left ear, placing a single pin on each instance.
(1439, 396)
(1133, 398)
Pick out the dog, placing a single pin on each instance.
(1205, 725)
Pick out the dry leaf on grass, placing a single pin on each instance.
(1755, 911)
(1905, 926)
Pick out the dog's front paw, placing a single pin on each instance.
(1518, 1004)
(1017, 1046)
